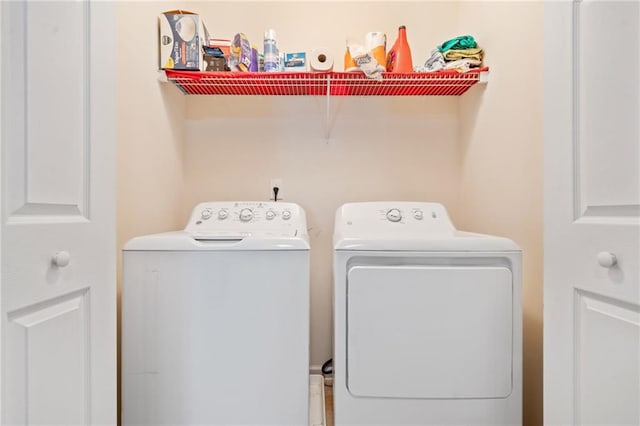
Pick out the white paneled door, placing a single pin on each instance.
(58, 293)
(592, 213)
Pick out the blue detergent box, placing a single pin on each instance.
(296, 61)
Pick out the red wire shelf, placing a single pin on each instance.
(441, 83)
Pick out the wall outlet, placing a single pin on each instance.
(276, 182)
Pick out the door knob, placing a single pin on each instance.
(606, 259)
(61, 259)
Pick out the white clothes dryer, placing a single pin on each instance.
(428, 327)
(216, 319)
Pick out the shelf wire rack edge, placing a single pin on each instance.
(317, 84)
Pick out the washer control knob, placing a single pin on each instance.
(286, 215)
(394, 215)
(206, 214)
(270, 215)
(223, 214)
(246, 215)
(418, 215)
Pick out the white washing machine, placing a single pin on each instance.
(428, 327)
(216, 319)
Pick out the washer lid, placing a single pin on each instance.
(184, 241)
(407, 226)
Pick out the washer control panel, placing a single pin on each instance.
(242, 216)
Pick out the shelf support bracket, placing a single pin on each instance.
(162, 76)
(483, 77)
(327, 110)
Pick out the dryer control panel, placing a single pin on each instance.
(401, 217)
(241, 218)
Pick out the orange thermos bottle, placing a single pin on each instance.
(399, 56)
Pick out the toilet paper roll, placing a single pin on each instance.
(320, 60)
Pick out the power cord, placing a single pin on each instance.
(327, 367)
(327, 372)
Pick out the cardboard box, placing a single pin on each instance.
(181, 37)
(241, 54)
(223, 44)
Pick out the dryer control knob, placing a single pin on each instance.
(418, 215)
(223, 214)
(270, 214)
(246, 215)
(286, 215)
(394, 215)
(206, 214)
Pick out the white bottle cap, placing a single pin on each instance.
(270, 34)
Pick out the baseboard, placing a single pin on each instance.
(317, 409)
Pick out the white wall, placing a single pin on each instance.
(501, 156)
(151, 128)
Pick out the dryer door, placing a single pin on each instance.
(429, 332)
